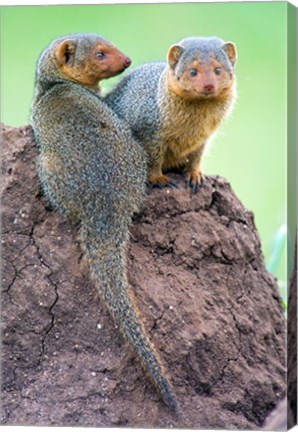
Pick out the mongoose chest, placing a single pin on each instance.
(186, 127)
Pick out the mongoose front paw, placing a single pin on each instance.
(161, 181)
(194, 181)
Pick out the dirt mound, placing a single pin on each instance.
(292, 346)
(196, 268)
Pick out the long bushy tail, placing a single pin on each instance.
(106, 256)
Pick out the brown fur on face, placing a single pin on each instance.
(206, 84)
(102, 60)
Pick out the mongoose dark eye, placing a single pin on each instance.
(193, 72)
(217, 70)
(100, 55)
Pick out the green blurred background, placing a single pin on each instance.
(249, 150)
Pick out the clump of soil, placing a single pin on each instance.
(196, 269)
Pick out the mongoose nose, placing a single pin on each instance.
(127, 61)
(209, 87)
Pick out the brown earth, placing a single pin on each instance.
(292, 346)
(196, 268)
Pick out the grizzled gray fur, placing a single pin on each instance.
(174, 108)
(92, 169)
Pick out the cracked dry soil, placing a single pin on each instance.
(197, 272)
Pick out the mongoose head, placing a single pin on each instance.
(201, 68)
(84, 58)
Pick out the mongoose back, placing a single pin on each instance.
(174, 108)
(92, 170)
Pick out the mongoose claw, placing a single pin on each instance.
(162, 181)
(194, 182)
(157, 186)
(171, 184)
(195, 188)
(187, 183)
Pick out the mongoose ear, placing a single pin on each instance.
(230, 49)
(65, 51)
(174, 54)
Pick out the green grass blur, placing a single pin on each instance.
(250, 149)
